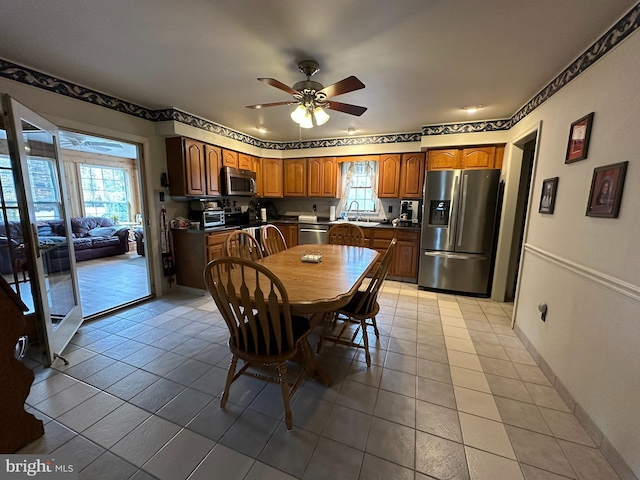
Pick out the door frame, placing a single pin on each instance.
(141, 146)
(54, 340)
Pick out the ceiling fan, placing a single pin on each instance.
(312, 98)
(76, 140)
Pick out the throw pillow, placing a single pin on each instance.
(102, 231)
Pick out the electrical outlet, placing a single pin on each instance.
(161, 197)
(390, 208)
(314, 207)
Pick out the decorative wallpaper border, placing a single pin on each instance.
(616, 34)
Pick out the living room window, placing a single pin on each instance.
(105, 192)
(359, 187)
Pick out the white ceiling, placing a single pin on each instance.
(421, 60)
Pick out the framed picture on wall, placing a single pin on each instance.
(548, 195)
(579, 134)
(606, 190)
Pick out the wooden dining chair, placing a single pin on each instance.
(362, 309)
(346, 234)
(262, 330)
(272, 240)
(242, 244)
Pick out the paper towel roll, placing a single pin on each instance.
(263, 214)
(332, 213)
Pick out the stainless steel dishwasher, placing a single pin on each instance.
(312, 233)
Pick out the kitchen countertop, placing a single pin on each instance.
(293, 220)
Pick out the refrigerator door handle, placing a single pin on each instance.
(463, 207)
(455, 256)
(453, 218)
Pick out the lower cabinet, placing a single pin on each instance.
(405, 260)
(192, 251)
(290, 233)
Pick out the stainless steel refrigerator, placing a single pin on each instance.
(458, 226)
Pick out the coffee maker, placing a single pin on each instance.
(410, 212)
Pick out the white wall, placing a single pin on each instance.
(587, 269)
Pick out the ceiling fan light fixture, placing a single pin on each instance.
(299, 113)
(321, 116)
(307, 121)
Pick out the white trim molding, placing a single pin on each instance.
(617, 285)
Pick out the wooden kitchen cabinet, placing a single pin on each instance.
(411, 175)
(193, 250)
(186, 167)
(478, 157)
(389, 176)
(272, 177)
(245, 162)
(448, 159)
(469, 158)
(229, 158)
(405, 258)
(295, 177)
(213, 162)
(323, 177)
(289, 232)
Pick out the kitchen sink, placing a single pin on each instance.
(359, 223)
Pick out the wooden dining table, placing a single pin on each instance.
(315, 289)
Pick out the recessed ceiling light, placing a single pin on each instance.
(351, 130)
(472, 108)
(261, 129)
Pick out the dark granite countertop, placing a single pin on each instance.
(293, 220)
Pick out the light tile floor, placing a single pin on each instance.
(451, 394)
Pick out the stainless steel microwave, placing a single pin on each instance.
(238, 182)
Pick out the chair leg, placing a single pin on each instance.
(230, 374)
(284, 385)
(365, 337)
(325, 327)
(375, 326)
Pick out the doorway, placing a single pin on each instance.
(104, 185)
(524, 188)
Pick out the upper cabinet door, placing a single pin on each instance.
(447, 159)
(229, 158)
(315, 174)
(478, 157)
(271, 177)
(411, 175)
(194, 167)
(389, 176)
(245, 162)
(295, 177)
(330, 177)
(213, 160)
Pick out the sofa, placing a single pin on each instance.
(93, 237)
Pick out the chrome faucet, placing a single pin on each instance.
(357, 209)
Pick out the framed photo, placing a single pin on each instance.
(579, 134)
(548, 195)
(606, 190)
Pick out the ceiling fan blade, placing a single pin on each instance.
(347, 108)
(275, 83)
(263, 105)
(345, 85)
